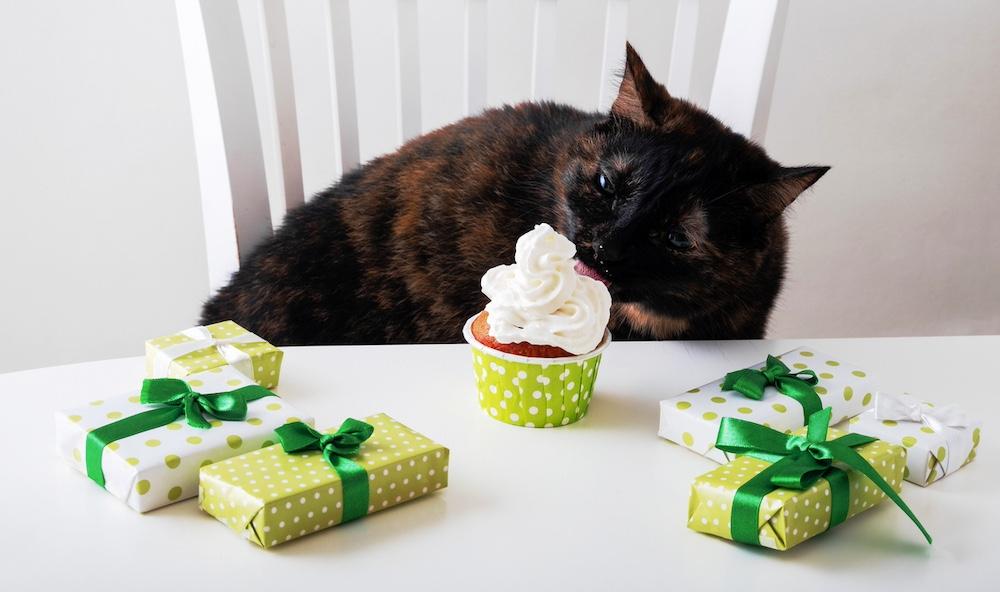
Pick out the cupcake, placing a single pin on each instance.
(537, 345)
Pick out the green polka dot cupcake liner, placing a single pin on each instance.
(534, 392)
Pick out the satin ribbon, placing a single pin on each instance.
(202, 339)
(337, 448)
(894, 407)
(797, 463)
(174, 399)
(752, 383)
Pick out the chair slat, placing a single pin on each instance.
(266, 31)
(227, 140)
(408, 41)
(744, 76)
(543, 51)
(341, 76)
(475, 51)
(682, 51)
(615, 31)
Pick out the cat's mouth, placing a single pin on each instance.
(586, 270)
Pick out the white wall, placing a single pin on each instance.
(100, 240)
(100, 244)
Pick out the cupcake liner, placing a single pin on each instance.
(534, 392)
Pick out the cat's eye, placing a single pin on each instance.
(678, 239)
(674, 238)
(604, 184)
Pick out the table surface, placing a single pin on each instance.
(597, 505)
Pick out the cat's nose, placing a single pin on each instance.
(607, 250)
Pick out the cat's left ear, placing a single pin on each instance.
(776, 195)
(640, 98)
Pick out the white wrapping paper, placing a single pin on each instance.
(160, 466)
(691, 419)
(939, 439)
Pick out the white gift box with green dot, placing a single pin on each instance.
(692, 418)
(933, 451)
(160, 466)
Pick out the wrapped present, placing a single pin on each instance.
(785, 489)
(313, 480)
(146, 448)
(940, 440)
(780, 393)
(202, 348)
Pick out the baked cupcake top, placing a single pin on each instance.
(542, 300)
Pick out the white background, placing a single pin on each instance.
(100, 224)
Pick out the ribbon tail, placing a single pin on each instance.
(850, 457)
(192, 412)
(803, 393)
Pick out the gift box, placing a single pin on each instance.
(940, 439)
(146, 447)
(534, 392)
(202, 348)
(780, 393)
(786, 489)
(313, 480)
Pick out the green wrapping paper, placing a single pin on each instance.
(202, 348)
(270, 496)
(787, 489)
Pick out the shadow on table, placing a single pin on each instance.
(854, 548)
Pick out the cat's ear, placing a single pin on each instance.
(776, 195)
(640, 98)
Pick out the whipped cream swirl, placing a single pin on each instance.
(542, 300)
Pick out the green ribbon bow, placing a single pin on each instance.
(797, 463)
(174, 399)
(751, 383)
(337, 449)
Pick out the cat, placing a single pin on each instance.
(679, 215)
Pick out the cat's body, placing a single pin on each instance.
(395, 251)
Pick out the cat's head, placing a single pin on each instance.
(675, 211)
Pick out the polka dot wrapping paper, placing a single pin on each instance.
(270, 497)
(692, 419)
(160, 466)
(262, 361)
(933, 452)
(789, 517)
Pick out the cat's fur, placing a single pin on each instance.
(687, 226)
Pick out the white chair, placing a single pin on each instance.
(243, 68)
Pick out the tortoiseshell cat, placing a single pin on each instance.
(679, 215)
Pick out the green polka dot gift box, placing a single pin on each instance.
(270, 496)
(204, 347)
(785, 489)
(146, 448)
(940, 439)
(534, 392)
(780, 393)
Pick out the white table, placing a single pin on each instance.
(599, 505)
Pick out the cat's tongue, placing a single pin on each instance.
(584, 269)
